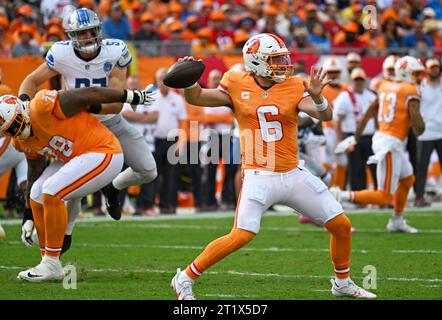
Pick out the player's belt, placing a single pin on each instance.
(257, 172)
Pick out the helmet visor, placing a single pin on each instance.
(281, 65)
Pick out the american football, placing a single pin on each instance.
(184, 73)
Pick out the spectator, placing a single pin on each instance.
(248, 24)
(5, 38)
(203, 45)
(319, 38)
(392, 37)
(147, 31)
(116, 25)
(174, 45)
(331, 19)
(412, 39)
(172, 113)
(204, 14)
(348, 38)
(392, 12)
(136, 17)
(431, 139)
(301, 39)
(49, 8)
(311, 10)
(175, 10)
(436, 5)
(158, 8)
(89, 4)
(221, 36)
(350, 106)
(374, 39)
(54, 34)
(190, 32)
(144, 119)
(219, 147)
(25, 47)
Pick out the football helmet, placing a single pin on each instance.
(331, 65)
(405, 67)
(78, 21)
(388, 66)
(14, 117)
(267, 56)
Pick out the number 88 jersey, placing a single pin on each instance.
(267, 120)
(393, 116)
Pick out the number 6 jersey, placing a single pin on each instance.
(267, 120)
(55, 136)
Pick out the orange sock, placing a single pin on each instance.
(340, 244)
(340, 176)
(401, 195)
(39, 222)
(56, 218)
(218, 249)
(378, 197)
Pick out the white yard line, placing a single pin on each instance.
(238, 273)
(186, 247)
(417, 251)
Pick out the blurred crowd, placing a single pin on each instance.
(212, 26)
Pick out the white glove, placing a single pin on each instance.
(345, 145)
(139, 97)
(26, 233)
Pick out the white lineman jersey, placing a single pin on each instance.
(77, 72)
(297, 189)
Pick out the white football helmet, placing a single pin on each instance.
(267, 56)
(331, 65)
(405, 67)
(388, 64)
(14, 117)
(80, 20)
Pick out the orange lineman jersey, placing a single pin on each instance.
(331, 93)
(393, 116)
(267, 120)
(56, 136)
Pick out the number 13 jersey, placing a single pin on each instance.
(267, 120)
(393, 116)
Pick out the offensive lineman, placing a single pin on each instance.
(88, 60)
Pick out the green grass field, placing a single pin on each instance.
(137, 259)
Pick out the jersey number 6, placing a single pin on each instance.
(271, 131)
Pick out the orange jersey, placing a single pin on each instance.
(331, 93)
(393, 116)
(56, 136)
(267, 120)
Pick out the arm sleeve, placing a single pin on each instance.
(125, 58)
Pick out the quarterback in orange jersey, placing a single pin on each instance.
(87, 156)
(397, 108)
(265, 101)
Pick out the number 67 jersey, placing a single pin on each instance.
(267, 120)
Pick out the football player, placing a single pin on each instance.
(265, 101)
(87, 156)
(387, 73)
(397, 108)
(88, 60)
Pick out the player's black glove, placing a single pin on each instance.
(27, 228)
(138, 97)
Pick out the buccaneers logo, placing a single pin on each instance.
(10, 99)
(403, 65)
(253, 47)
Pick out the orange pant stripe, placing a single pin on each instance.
(237, 208)
(86, 178)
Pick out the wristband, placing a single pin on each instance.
(24, 97)
(95, 108)
(130, 97)
(322, 106)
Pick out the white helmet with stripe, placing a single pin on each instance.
(267, 56)
(405, 67)
(80, 20)
(388, 65)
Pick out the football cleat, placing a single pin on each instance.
(182, 285)
(47, 270)
(112, 202)
(400, 225)
(350, 290)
